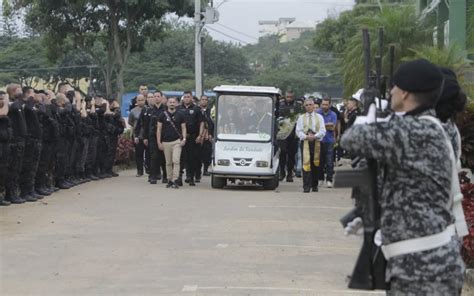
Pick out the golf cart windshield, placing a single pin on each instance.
(244, 118)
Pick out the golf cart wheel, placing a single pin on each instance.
(218, 182)
(271, 184)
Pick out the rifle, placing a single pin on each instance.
(369, 271)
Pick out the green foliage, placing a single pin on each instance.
(114, 29)
(169, 63)
(22, 55)
(402, 28)
(293, 65)
(333, 34)
(451, 57)
(470, 27)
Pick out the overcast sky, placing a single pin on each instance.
(239, 18)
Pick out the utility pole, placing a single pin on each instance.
(198, 48)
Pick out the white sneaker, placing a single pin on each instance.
(329, 184)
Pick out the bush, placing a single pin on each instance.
(125, 150)
(468, 205)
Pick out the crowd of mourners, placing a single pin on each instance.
(172, 136)
(54, 141)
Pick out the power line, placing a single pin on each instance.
(238, 32)
(47, 68)
(227, 35)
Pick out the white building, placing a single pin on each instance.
(288, 29)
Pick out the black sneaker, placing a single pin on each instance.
(174, 185)
(169, 184)
(179, 182)
(315, 189)
(187, 180)
(153, 181)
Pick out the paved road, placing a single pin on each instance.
(122, 236)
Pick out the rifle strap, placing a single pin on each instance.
(168, 117)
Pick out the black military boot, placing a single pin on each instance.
(15, 199)
(42, 191)
(35, 195)
(289, 177)
(63, 185)
(28, 197)
(4, 202)
(282, 175)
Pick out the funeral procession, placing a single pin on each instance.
(237, 147)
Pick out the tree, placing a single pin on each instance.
(169, 62)
(402, 29)
(26, 59)
(10, 28)
(118, 27)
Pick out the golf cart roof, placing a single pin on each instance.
(247, 89)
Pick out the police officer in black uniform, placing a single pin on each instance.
(289, 108)
(5, 136)
(33, 144)
(142, 128)
(143, 90)
(17, 143)
(157, 156)
(194, 128)
(206, 147)
(94, 131)
(50, 137)
(66, 132)
(116, 128)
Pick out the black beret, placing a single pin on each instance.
(451, 87)
(418, 76)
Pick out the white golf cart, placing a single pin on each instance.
(245, 136)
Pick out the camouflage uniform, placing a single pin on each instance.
(414, 197)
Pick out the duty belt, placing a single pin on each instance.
(419, 244)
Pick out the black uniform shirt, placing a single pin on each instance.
(193, 117)
(292, 108)
(170, 133)
(5, 129)
(17, 119)
(155, 114)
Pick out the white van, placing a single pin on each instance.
(245, 136)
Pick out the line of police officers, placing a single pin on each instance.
(50, 142)
(197, 152)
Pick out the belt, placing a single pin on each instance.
(419, 244)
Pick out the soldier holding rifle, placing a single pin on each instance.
(418, 229)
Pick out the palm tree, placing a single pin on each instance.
(402, 29)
